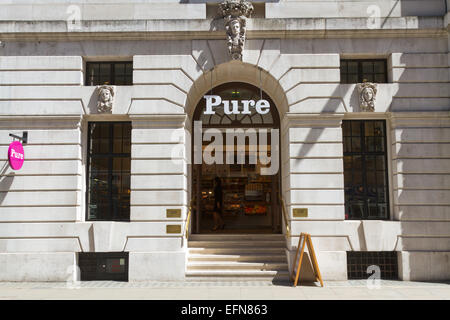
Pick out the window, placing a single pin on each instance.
(111, 266)
(113, 73)
(108, 176)
(365, 174)
(358, 71)
(359, 261)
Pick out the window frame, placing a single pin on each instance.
(110, 156)
(360, 73)
(112, 72)
(363, 155)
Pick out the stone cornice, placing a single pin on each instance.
(214, 29)
(420, 119)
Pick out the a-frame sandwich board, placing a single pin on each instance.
(306, 237)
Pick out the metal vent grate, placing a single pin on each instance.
(103, 266)
(358, 262)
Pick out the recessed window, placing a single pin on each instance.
(358, 71)
(358, 263)
(103, 266)
(365, 169)
(112, 73)
(109, 161)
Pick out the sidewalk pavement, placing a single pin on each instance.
(254, 290)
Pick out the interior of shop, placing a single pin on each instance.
(250, 199)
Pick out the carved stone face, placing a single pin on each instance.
(105, 98)
(105, 95)
(367, 94)
(235, 27)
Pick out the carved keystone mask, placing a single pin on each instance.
(105, 98)
(234, 13)
(367, 95)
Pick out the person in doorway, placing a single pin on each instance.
(218, 205)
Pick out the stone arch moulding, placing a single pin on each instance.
(236, 71)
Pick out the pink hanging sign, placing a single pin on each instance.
(16, 155)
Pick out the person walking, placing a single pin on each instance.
(218, 205)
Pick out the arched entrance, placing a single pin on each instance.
(250, 190)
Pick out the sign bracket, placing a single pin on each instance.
(23, 138)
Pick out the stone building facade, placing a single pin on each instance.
(293, 51)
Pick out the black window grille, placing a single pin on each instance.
(365, 169)
(108, 176)
(358, 71)
(112, 73)
(358, 263)
(103, 266)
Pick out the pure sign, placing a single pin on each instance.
(16, 155)
(261, 106)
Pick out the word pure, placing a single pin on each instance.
(261, 106)
(16, 155)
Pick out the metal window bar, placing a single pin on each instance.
(94, 73)
(110, 156)
(362, 75)
(359, 261)
(366, 156)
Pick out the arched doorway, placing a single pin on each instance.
(250, 194)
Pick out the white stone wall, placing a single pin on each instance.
(42, 206)
(101, 10)
(353, 8)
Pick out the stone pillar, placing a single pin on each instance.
(314, 182)
(159, 198)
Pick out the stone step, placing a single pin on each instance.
(238, 257)
(236, 251)
(235, 237)
(228, 275)
(243, 281)
(256, 266)
(237, 244)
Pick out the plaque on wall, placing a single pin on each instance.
(300, 212)
(173, 213)
(173, 228)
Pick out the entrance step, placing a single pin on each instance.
(234, 275)
(236, 265)
(249, 257)
(236, 244)
(237, 257)
(239, 250)
(235, 237)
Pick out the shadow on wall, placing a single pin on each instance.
(423, 206)
(407, 99)
(92, 105)
(427, 8)
(6, 181)
(331, 106)
(421, 184)
(205, 59)
(312, 138)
